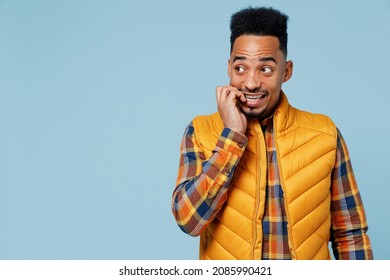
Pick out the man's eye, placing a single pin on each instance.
(266, 70)
(240, 69)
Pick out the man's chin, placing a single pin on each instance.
(253, 113)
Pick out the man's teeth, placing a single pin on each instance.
(253, 97)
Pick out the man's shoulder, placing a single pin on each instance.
(310, 115)
(208, 122)
(290, 118)
(208, 129)
(314, 121)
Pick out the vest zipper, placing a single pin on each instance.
(254, 223)
(259, 142)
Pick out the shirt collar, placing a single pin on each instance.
(267, 121)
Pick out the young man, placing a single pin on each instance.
(260, 179)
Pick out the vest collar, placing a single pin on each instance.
(283, 117)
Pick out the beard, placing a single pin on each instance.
(252, 113)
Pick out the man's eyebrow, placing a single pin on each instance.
(239, 58)
(269, 58)
(261, 59)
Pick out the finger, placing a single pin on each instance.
(234, 95)
(218, 94)
(237, 95)
(222, 92)
(241, 96)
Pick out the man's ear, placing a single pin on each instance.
(229, 70)
(288, 71)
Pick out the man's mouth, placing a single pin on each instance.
(254, 97)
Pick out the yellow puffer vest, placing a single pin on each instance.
(306, 152)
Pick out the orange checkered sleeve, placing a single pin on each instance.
(202, 183)
(349, 226)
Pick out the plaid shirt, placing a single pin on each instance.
(202, 184)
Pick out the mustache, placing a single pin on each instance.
(253, 91)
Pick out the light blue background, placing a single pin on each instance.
(95, 96)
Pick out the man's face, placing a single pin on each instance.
(257, 67)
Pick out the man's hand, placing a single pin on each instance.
(233, 118)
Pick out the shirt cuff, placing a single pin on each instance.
(232, 141)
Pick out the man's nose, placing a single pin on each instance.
(252, 82)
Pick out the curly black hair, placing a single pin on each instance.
(260, 21)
